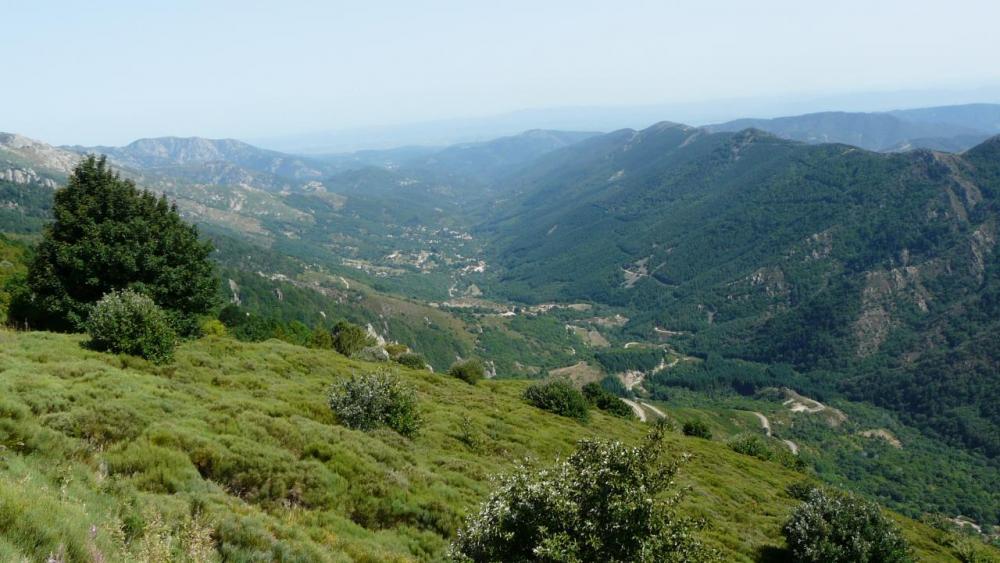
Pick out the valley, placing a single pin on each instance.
(837, 301)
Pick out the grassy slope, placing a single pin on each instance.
(240, 435)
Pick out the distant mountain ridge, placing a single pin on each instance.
(172, 152)
(948, 128)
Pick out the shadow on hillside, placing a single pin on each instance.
(773, 554)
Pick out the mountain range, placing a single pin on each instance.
(848, 257)
(946, 128)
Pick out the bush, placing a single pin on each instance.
(376, 399)
(412, 360)
(558, 396)
(349, 338)
(602, 399)
(212, 327)
(395, 349)
(697, 428)
(607, 502)
(752, 445)
(321, 338)
(469, 371)
(834, 527)
(128, 322)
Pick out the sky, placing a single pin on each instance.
(108, 72)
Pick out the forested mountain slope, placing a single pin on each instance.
(878, 268)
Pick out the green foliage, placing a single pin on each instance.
(470, 371)
(833, 527)
(612, 384)
(321, 338)
(412, 360)
(765, 449)
(13, 268)
(376, 399)
(128, 322)
(108, 235)
(239, 437)
(607, 502)
(349, 338)
(640, 359)
(558, 396)
(212, 327)
(696, 428)
(602, 399)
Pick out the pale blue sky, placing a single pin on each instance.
(108, 72)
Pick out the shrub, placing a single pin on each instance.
(212, 327)
(469, 371)
(412, 360)
(349, 338)
(376, 399)
(128, 322)
(395, 349)
(607, 502)
(602, 399)
(834, 527)
(697, 428)
(751, 445)
(321, 338)
(558, 396)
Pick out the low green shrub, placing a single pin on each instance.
(560, 397)
(604, 400)
(607, 502)
(697, 428)
(349, 338)
(129, 322)
(835, 527)
(765, 449)
(212, 327)
(469, 371)
(412, 360)
(376, 399)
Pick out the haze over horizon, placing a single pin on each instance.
(385, 71)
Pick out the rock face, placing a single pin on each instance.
(26, 176)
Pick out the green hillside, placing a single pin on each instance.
(232, 452)
(877, 272)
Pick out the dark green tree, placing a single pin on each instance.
(109, 235)
(349, 338)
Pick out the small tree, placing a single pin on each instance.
(469, 371)
(558, 396)
(376, 399)
(130, 323)
(604, 400)
(834, 527)
(697, 428)
(607, 502)
(349, 338)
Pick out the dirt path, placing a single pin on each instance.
(764, 423)
(638, 410)
(792, 446)
(655, 410)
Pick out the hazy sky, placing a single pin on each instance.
(108, 72)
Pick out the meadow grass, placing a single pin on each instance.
(231, 452)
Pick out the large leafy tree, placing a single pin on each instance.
(109, 235)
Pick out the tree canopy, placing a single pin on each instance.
(109, 235)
